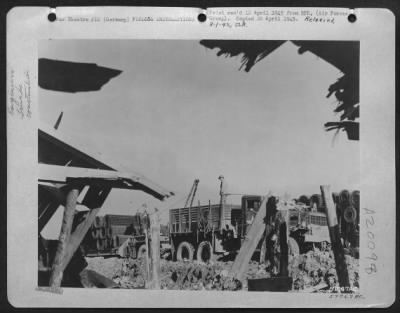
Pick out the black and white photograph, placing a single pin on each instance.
(202, 165)
(165, 157)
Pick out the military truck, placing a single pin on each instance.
(200, 232)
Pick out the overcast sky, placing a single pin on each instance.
(178, 112)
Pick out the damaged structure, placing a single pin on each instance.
(67, 177)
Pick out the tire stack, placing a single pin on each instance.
(102, 234)
(347, 209)
(111, 231)
(349, 203)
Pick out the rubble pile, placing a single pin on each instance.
(197, 276)
(311, 272)
(179, 276)
(107, 267)
(315, 271)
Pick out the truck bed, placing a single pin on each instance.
(183, 220)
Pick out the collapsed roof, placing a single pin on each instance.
(61, 164)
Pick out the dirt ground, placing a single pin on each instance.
(311, 272)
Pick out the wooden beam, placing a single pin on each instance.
(61, 174)
(57, 174)
(338, 251)
(78, 235)
(263, 250)
(81, 230)
(155, 249)
(250, 243)
(65, 233)
(284, 255)
(147, 259)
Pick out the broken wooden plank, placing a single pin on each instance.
(66, 226)
(338, 251)
(101, 177)
(61, 174)
(250, 243)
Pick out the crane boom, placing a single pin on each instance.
(192, 193)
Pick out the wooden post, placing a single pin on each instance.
(263, 249)
(155, 249)
(78, 235)
(82, 228)
(284, 257)
(341, 267)
(249, 245)
(65, 233)
(222, 202)
(146, 238)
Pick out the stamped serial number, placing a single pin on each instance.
(344, 289)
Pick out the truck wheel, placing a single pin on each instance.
(350, 214)
(185, 251)
(100, 244)
(204, 252)
(325, 245)
(293, 246)
(141, 251)
(102, 233)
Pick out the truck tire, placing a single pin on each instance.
(102, 233)
(97, 222)
(204, 252)
(350, 214)
(115, 241)
(141, 251)
(293, 246)
(93, 233)
(100, 244)
(185, 251)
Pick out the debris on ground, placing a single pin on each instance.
(317, 269)
(313, 271)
